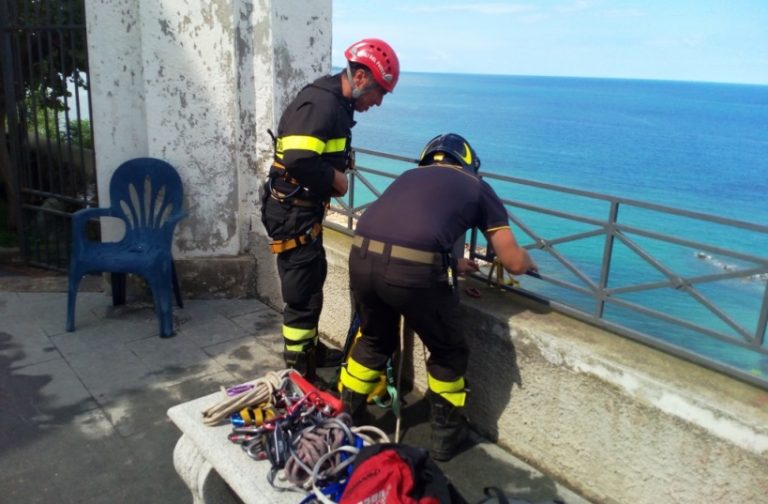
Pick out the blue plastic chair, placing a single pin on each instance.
(146, 194)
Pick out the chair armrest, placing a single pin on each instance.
(80, 219)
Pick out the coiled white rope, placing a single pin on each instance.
(262, 392)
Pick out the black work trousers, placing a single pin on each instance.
(385, 288)
(302, 274)
(303, 269)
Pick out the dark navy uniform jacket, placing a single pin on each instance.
(313, 137)
(429, 208)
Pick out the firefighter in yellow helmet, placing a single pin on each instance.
(312, 156)
(400, 264)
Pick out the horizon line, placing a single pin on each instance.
(647, 79)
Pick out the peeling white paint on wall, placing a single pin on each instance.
(197, 83)
(190, 82)
(117, 92)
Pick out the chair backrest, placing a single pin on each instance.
(146, 193)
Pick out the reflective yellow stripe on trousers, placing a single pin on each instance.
(297, 338)
(452, 391)
(359, 378)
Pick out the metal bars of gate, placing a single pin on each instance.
(585, 284)
(44, 67)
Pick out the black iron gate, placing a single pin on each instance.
(48, 158)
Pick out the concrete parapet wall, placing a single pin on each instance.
(614, 419)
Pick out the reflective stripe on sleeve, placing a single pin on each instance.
(314, 144)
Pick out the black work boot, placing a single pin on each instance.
(450, 427)
(357, 406)
(327, 356)
(305, 362)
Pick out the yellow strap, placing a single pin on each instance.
(278, 246)
(453, 391)
(284, 173)
(247, 415)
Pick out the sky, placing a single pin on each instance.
(690, 40)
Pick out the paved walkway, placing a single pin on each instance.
(83, 414)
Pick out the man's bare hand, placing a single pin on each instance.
(467, 266)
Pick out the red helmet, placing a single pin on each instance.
(380, 59)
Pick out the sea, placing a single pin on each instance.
(696, 146)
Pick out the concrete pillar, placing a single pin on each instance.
(198, 83)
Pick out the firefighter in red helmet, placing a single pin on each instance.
(401, 263)
(311, 158)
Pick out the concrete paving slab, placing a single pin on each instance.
(104, 334)
(59, 395)
(107, 372)
(141, 409)
(173, 360)
(55, 457)
(92, 457)
(25, 343)
(229, 308)
(247, 358)
(31, 487)
(263, 323)
(197, 386)
(208, 330)
(49, 310)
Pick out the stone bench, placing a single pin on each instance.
(219, 472)
(216, 470)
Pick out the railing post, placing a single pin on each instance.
(605, 267)
(473, 243)
(351, 192)
(763, 319)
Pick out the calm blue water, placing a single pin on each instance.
(695, 146)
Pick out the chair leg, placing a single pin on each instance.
(166, 319)
(161, 293)
(176, 289)
(119, 287)
(74, 282)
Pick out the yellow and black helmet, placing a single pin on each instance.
(452, 145)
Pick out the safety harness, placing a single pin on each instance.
(279, 246)
(278, 171)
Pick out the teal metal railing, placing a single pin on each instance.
(689, 283)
